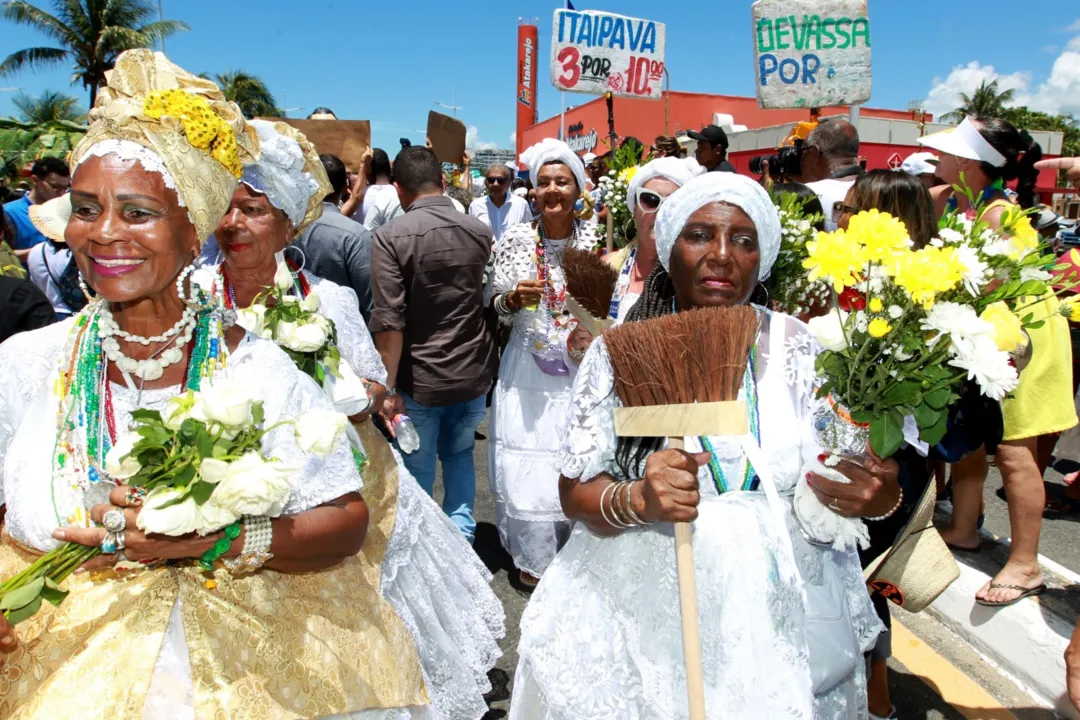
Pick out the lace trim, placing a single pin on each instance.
(279, 173)
(150, 160)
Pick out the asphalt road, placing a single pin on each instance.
(916, 691)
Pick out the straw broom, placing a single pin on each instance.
(677, 376)
(590, 285)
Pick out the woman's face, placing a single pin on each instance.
(844, 216)
(645, 218)
(556, 190)
(252, 230)
(128, 232)
(715, 259)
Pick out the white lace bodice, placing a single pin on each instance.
(28, 428)
(354, 341)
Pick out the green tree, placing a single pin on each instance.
(47, 107)
(22, 143)
(249, 92)
(89, 34)
(986, 101)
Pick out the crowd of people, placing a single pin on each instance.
(168, 256)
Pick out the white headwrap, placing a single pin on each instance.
(678, 170)
(279, 173)
(551, 150)
(738, 190)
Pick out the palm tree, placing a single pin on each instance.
(249, 92)
(90, 34)
(47, 107)
(986, 101)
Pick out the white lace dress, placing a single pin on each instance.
(27, 432)
(430, 574)
(601, 637)
(530, 408)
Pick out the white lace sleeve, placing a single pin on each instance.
(514, 260)
(287, 393)
(589, 446)
(354, 341)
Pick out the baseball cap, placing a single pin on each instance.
(714, 134)
(964, 141)
(920, 163)
(1045, 218)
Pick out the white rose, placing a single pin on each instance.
(180, 518)
(252, 319)
(829, 330)
(227, 403)
(181, 407)
(290, 300)
(213, 471)
(318, 430)
(311, 303)
(302, 338)
(214, 517)
(283, 279)
(120, 464)
(254, 486)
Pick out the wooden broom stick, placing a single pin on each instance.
(691, 630)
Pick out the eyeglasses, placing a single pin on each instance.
(839, 208)
(648, 201)
(60, 188)
(496, 181)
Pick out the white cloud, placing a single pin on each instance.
(1074, 28)
(513, 138)
(472, 140)
(1059, 93)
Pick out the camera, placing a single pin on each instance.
(786, 161)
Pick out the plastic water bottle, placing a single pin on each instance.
(405, 432)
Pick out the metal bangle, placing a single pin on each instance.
(630, 508)
(620, 517)
(603, 511)
(886, 516)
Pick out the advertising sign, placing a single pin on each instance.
(527, 111)
(598, 52)
(811, 53)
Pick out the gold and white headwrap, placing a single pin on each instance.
(197, 140)
(288, 172)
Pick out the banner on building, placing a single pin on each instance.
(527, 111)
(811, 53)
(598, 52)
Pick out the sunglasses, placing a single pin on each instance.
(648, 200)
(496, 181)
(839, 208)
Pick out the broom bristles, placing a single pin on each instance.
(590, 281)
(693, 356)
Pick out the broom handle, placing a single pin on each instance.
(691, 632)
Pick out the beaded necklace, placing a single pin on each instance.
(86, 423)
(750, 479)
(555, 315)
(623, 284)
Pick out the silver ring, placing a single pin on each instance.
(114, 520)
(108, 545)
(121, 557)
(121, 541)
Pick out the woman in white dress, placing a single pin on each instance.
(784, 623)
(164, 639)
(529, 410)
(428, 571)
(651, 185)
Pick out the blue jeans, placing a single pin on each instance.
(450, 433)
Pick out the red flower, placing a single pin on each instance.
(851, 299)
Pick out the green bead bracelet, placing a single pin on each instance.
(206, 562)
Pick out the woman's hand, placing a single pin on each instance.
(378, 396)
(578, 342)
(872, 492)
(670, 489)
(8, 640)
(138, 546)
(392, 406)
(527, 292)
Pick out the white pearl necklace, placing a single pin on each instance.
(107, 325)
(151, 368)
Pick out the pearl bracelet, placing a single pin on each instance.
(258, 536)
(886, 516)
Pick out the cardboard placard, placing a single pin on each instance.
(347, 139)
(597, 52)
(811, 53)
(447, 135)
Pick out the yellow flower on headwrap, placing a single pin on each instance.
(203, 128)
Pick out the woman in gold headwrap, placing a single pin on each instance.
(153, 176)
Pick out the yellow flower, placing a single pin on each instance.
(1071, 309)
(876, 305)
(880, 235)
(1017, 225)
(878, 327)
(927, 273)
(628, 174)
(202, 126)
(833, 257)
(1008, 330)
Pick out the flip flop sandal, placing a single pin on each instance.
(1024, 593)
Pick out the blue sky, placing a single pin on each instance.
(388, 62)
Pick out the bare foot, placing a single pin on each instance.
(954, 539)
(1021, 576)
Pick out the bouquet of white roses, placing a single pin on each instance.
(790, 287)
(201, 468)
(614, 186)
